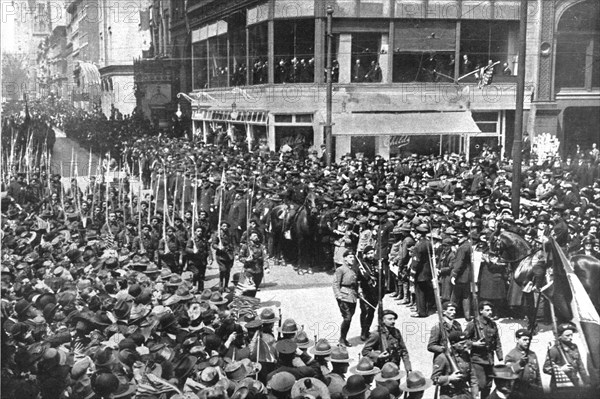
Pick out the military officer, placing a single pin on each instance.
(345, 289)
(436, 343)
(386, 344)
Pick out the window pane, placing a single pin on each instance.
(237, 49)
(217, 47)
(365, 57)
(304, 118)
(283, 118)
(570, 61)
(596, 62)
(259, 54)
(294, 51)
(200, 69)
(482, 41)
(423, 67)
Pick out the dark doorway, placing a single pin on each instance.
(363, 145)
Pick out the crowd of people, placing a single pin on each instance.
(104, 292)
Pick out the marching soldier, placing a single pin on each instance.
(222, 244)
(387, 344)
(564, 356)
(436, 341)
(169, 249)
(460, 382)
(525, 364)
(253, 254)
(128, 235)
(345, 289)
(483, 333)
(145, 244)
(369, 288)
(197, 255)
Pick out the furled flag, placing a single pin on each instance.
(486, 74)
(572, 303)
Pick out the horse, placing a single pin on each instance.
(528, 264)
(304, 232)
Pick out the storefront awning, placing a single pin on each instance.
(412, 123)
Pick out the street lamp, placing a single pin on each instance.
(179, 114)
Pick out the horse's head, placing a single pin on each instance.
(311, 202)
(510, 246)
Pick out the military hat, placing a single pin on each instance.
(566, 326)
(456, 336)
(522, 332)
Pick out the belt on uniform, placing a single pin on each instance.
(349, 285)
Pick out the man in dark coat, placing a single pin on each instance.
(422, 271)
(222, 244)
(461, 275)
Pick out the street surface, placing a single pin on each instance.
(308, 299)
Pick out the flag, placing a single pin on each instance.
(573, 304)
(153, 385)
(486, 74)
(260, 351)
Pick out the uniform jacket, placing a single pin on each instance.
(489, 330)
(345, 284)
(436, 344)
(530, 379)
(442, 369)
(573, 356)
(391, 342)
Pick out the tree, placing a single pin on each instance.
(14, 75)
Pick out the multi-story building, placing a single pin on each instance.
(124, 35)
(26, 26)
(82, 52)
(153, 73)
(405, 72)
(58, 73)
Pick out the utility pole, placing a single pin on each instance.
(518, 138)
(329, 125)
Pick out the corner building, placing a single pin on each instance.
(258, 71)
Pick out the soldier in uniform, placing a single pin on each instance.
(345, 289)
(370, 291)
(461, 275)
(565, 355)
(460, 383)
(145, 244)
(387, 344)
(222, 244)
(525, 364)
(112, 226)
(169, 249)
(197, 255)
(128, 235)
(483, 333)
(253, 254)
(436, 341)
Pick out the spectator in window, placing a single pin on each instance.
(374, 74)
(466, 65)
(358, 74)
(506, 69)
(281, 72)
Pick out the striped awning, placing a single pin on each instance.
(88, 75)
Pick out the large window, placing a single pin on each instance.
(218, 62)
(259, 54)
(237, 49)
(294, 51)
(424, 51)
(481, 41)
(200, 65)
(365, 58)
(578, 47)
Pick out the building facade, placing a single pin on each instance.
(124, 35)
(405, 72)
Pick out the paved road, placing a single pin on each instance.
(309, 301)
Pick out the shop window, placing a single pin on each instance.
(577, 47)
(283, 118)
(298, 138)
(481, 41)
(218, 63)
(259, 54)
(237, 49)
(363, 145)
(200, 65)
(365, 58)
(294, 51)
